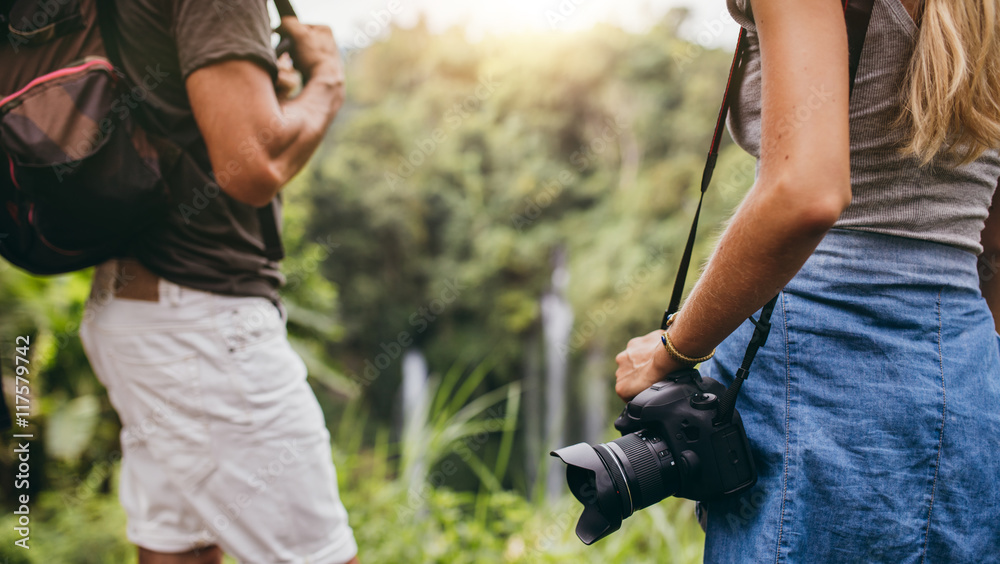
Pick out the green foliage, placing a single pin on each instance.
(88, 530)
(429, 220)
(468, 165)
(406, 513)
(511, 529)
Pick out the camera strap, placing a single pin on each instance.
(857, 14)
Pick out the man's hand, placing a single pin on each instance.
(314, 50)
(289, 80)
(643, 363)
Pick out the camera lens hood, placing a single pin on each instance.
(591, 483)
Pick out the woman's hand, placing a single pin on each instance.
(643, 363)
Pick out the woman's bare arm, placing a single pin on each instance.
(801, 191)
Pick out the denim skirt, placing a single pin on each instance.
(873, 413)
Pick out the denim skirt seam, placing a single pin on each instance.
(944, 417)
(788, 416)
(887, 435)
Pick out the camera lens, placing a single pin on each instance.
(613, 480)
(647, 468)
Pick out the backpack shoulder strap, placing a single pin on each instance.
(266, 216)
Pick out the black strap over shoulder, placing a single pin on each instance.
(268, 215)
(857, 14)
(735, 76)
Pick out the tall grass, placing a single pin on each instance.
(403, 502)
(430, 521)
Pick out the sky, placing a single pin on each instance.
(356, 23)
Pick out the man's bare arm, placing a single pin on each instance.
(257, 142)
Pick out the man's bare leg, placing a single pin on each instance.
(208, 555)
(211, 555)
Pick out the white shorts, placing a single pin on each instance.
(223, 441)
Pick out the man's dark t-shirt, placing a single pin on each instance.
(209, 241)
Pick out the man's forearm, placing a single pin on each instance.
(256, 142)
(305, 120)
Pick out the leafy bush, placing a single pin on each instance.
(395, 523)
(587, 144)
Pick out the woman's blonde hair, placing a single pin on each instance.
(953, 98)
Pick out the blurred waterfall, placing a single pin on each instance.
(557, 324)
(414, 389)
(416, 403)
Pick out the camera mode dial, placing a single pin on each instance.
(704, 401)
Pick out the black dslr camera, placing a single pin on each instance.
(678, 439)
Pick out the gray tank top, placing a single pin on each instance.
(892, 194)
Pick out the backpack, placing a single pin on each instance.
(80, 175)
